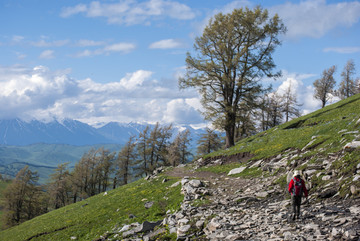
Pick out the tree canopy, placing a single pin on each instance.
(233, 54)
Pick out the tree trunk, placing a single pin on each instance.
(230, 130)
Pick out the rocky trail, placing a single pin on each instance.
(222, 207)
(242, 209)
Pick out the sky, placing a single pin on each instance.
(120, 60)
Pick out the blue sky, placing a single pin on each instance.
(101, 61)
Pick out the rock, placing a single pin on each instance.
(150, 236)
(147, 226)
(200, 224)
(353, 190)
(148, 205)
(175, 184)
(183, 230)
(357, 177)
(352, 146)
(196, 183)
(236, 171)
(183, 221)
(262, 194)
(355, 210)
(213, 225)
(326, 178)
(327, 193)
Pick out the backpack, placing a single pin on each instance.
(298, 187)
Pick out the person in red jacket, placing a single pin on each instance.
(297, 188)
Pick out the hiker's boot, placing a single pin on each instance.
(293, 217)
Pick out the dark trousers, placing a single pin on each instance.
(296, 202)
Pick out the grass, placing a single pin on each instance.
(324, 125)
(91, 218)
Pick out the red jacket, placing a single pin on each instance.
(291, 186)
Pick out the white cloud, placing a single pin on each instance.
(120, 47)
(56, 43)
(47, 54)
(108, 49)
(18, 38)
(166, 44)
(89, 43)
(131, 12)
(314, 18)
(343, 50)
(40, 93)
(133, 80)
(179, 111)
(303, 92)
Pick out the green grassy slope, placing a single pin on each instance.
(313, 139)
(328, 126)
(91, 218)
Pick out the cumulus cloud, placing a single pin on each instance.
(314, 18)
(166, 44)
(40, 93)
(178, 110)
(304, 92)
(130, 12)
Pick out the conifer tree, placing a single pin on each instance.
(23, 198)
(324, 86)
(59, 188)
(208, 142)
(347, 85)
(126, 158)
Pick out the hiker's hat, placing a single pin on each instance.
(297, 173)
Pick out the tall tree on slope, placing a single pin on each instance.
(233, 54)
(324, 86)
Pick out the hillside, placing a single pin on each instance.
(250, 204)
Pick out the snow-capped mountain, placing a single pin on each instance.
(17, 132)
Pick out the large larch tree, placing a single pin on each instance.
(233, 54)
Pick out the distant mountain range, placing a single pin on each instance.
(16, 132)
(42, 146)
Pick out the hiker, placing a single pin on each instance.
(297, 188)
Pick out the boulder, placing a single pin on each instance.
(181, 232)
(352, 146)
(236, 171)
(327, 193)
(147, 226)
